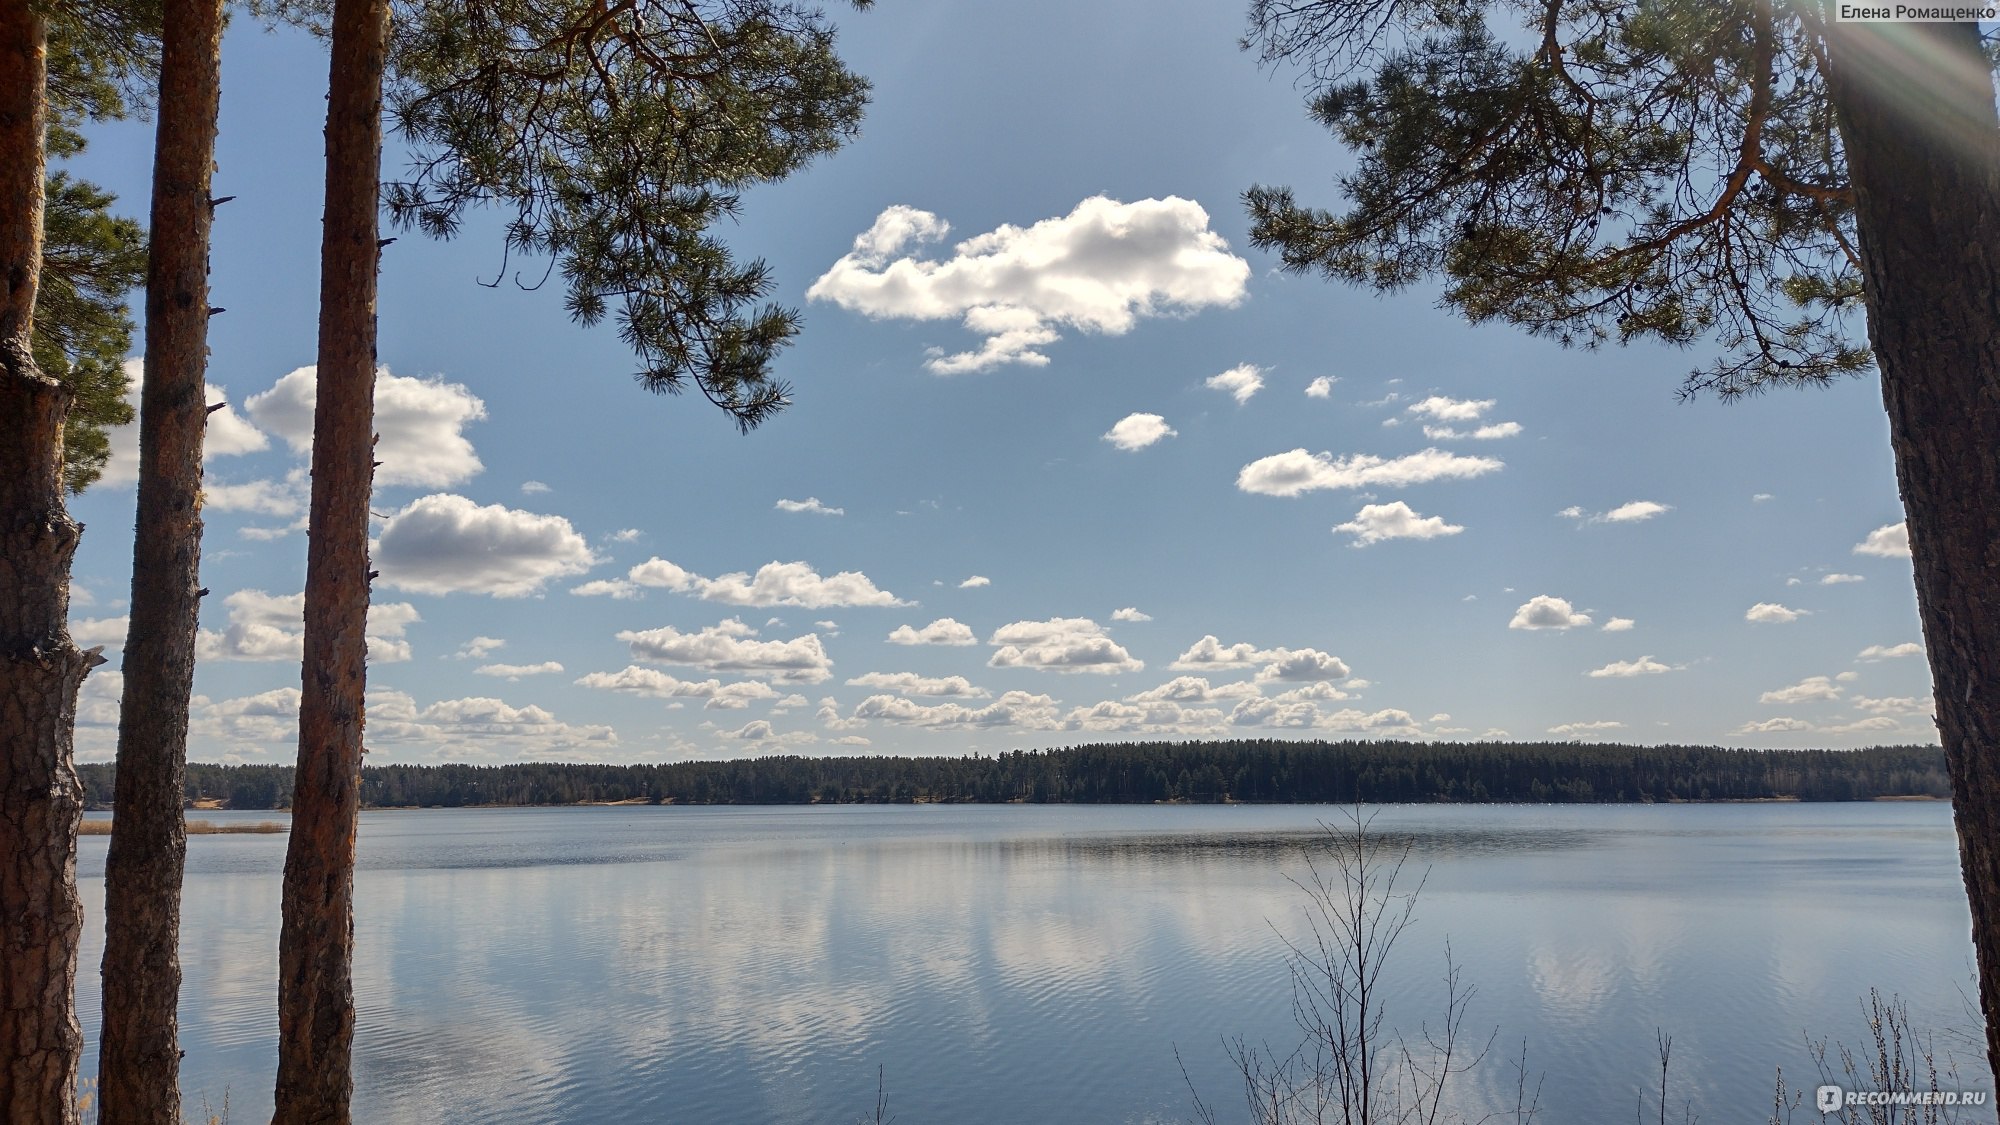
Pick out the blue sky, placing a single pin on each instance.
(1068, 462)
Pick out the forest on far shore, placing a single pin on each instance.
(1261, 770)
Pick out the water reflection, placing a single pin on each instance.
(1009, 964)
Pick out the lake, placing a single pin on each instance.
(1045, 963)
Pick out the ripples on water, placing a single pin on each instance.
(1015, 964)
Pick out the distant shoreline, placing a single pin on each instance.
(1246, 771)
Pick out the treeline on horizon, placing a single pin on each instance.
(1263, 770)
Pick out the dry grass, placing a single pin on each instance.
(196, 828)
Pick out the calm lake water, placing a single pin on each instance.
(1043, 964)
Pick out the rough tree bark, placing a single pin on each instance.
(139, 1049)
(316, 942)
(41, 802)
(1916, 110)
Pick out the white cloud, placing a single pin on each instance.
(775, 583)
(1624, 669)
(1060, 644)
(1137, 431)
(975, 582)
(1773, 726)
(1321, 387)
(534, 488)
(1239, 382)
(727, 647)
(419, 424)
(1100, 269)
(1544, 611)
(624, 535)
(1296, 471)
(480, 727)
(1840, 579)
(1890, 541)
(1893, 705)
(1812, 689)
(653, 683)
(1442, 409)
(106, 631)
(479, 648)
(910, 683)
(1598, 726)
(272, 627)
(1760, 497)
(225, 434)
(1771, 613)
(1619, 625)
(1863, 726)
(443, 544)
(1193, 689)
(262, 497)
(1150, 718)
(1632, 511)
(1208, 652)
(1377, 522)
(516, 671)
(1890, 652)
(1013, 709)
(617, 589)
(810, 504)
(1303, 665)
(1493, 432)
(943, 631)
(1130, 613)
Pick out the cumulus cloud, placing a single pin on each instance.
(1890, 652)
(810, 504)
(106, 631)
(910, 683)
(1151, 718)
(1020, 709)
(479, 648)
(1239, 382)
(1441, 409)
(655, 684)
(618, 589)
(1546, 612)
(281, 499)
(943, 631)
(729, 647)
(1893, 705)
(1771, 613)
(534, 488)
(1624, 669)
(1060, 644)
(1100, 269)
(1596, 726)
(1773, 726)
(225, 434)
(974, 582)
(1130, 613)
(272, 627)
(1632, 511)
(1289, 474)
(1377, 522)
(419, 423)
(1840, 579)
(1812, 689)
(1208, 652)
(1890, 541)
(445, 544)
(1492, 432)
(775, 583)
(1619, 625)
(1321, 387)
(1302, 665)
(1137, 431)
(480, 727)
(516, 671)
(1193, 689)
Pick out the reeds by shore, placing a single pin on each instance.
(196, 828)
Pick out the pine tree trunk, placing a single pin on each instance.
(316, 943)
(41, 801)
(1916, 110)
(139, 1048)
